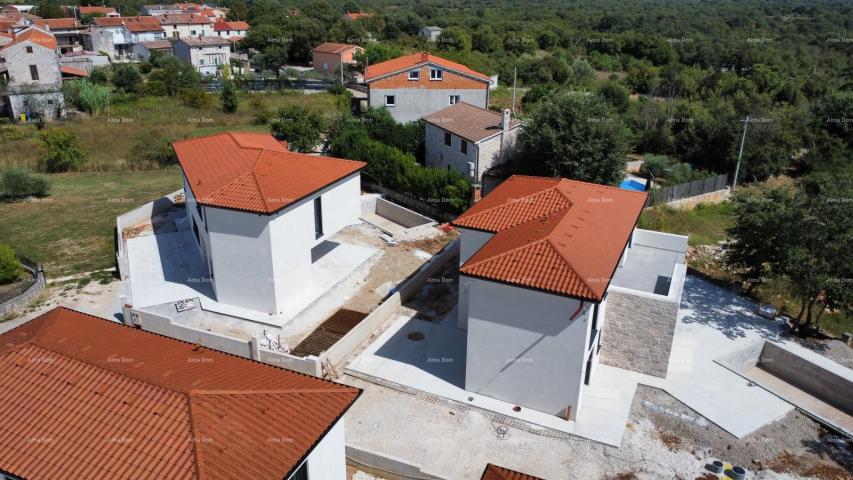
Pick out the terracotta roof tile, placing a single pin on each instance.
(84, 397)
(73, 71)
(224, 26)
(494, 472)
(34, 35)
(469, 122)
(92, 10)
(63, 23)
(553, 234)
(183, 19)
(254, 172)
(329, 47)
(406, 62)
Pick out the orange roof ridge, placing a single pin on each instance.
(292, 391)
(525, 198)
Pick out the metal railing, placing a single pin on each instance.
(680, 191)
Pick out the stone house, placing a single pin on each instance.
(469, 139)
(414, 86)
(231, 30)
(117, 35)
(30, 76)
(183, 25)
(430, 34)
(556, 277)
(206, 54)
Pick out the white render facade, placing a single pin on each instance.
(259, 262)
(411, 104)
(328, 459)
(205, 58)
(538, 349)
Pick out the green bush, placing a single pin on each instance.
(229, 96)
(301, 127)
(126, 77)
(195, 98)
(59, 151)
(446, 190)
(86, 96)
(259, 109)
(18, 182)
(100, 75)
(151, 148)
(10, 267)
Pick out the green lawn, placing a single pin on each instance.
(71, 231)
(108, 138)
(705, 225)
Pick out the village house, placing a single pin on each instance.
(97, 399)
(329, 57)
(30, 71)
(554, 275)
(183, 25)
(117, 35)
(430, 34)
(84, 60)
(233, 31)
(417, 85)
(143, 51)
(206, 54)
(469, 139)
(353, 16)
(98, 11)
(257, 211)
(68, 32)
(494, 472)
(213, 13)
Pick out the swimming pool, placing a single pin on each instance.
(631, 184)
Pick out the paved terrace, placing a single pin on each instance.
(712, 323)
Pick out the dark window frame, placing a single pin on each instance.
(463, 147)
(34, 73)
(448, 139)
(318, 218)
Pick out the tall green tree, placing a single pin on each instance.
(574, 136)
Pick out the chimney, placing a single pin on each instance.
(424, 56)
(476, 193)
(505, 120)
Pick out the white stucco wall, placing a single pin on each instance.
(413, 103)
(328, 459)
(523, 348)
(472, 240)
(261, 261)
(483, 154)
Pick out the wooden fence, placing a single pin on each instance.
(686, 190)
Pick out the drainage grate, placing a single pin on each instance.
(328, 333)
(415, 336)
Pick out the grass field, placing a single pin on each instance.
(705, 225)
(71, 231)
(108, 138)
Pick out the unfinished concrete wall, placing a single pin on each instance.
(400, 215)
(835, 388)
(639, 332)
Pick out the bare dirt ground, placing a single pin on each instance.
(795, 444)
(663, 440)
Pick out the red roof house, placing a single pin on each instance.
(539, 258)
(417, 85)
(494, 472)
(84, 397)
(257, 210)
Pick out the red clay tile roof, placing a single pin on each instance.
(225, 26)
(357, 15)
(183, 19)
(469, 121)
(157, 45)
(494, 472)
(75, 72)
(552, 234)
(92, 10)
(84, 397)
(407, 62)
(140, 23)
(34, 35)
(254, 172)
(62, 23)
(329, 47)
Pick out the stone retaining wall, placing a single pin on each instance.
(29, 295)
(638, 331)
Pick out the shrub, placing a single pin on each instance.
(126, 77)
(151, 147)
(301, 127)
(87, 96)
(60, 151)
(195, 98)
(10, 267)
(174, 75)
(100, 75)
(258, 106)
(229, 96)
(18, 182)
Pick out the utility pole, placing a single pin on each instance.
(740, 153)
(514, 76)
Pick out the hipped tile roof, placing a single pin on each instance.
(494, 472)
(407, 62)
(254, 172)
(553, 234)
(469, 122)
(84, 397)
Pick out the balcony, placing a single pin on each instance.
(653, 264)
